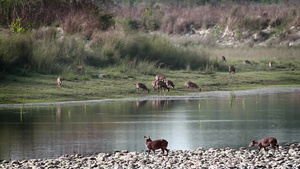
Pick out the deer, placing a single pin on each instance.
(160, 77)
(154, 84)
(265, 142)
(223, 59)
(59, 81)
(162, 85)
(231, 69)
(80, 69)
(193, 85)
(247, 62)
(156, 144)
(270, 64)
(142, 86)
(170, 83)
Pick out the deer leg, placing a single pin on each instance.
(259, 149)
(277, 148)
(163, 151)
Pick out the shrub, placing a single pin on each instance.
(15, 51)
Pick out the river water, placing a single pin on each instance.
(215, 119)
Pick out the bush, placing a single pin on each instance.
(148, 48)
(15, 51)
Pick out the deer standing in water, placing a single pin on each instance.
(156, 144)
(193, 85)
(266, 142)
(142, 86)
(59, 81)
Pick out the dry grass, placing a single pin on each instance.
(181, 19)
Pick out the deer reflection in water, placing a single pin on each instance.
(141, 103)
(58, 113)
(160, 103)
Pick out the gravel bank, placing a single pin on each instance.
(287, 157)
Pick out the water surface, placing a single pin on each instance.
(207, 119)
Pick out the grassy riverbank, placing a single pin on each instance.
(37, 88)
(38, 46)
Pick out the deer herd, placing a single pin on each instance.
(163, 144)
(162, 84)
(246, 62)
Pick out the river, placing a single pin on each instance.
(215, 119)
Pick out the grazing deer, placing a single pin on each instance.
(223, 59)
(80, 69)
(142, 86)
(170, 83)
(247, 62)
(156, 144)
(162, 85)
(231, 69)
(193, 85)
(160, 77)
(59, 81)
(270, 64)
(154, 84)
(266, 142)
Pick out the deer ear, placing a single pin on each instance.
(145, 137)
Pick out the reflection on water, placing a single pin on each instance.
(47, 132)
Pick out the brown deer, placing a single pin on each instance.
(247, 62)
(170, 83)
(231, 69)
(223, 59)
(156, 144)
(193, 85)
(80, 69)
(270, 64)
(142, 86)
(162, 85)
(59, 81)
(160, 77)
(154, 84)
(266, 142)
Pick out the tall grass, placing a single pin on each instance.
(149, 48)
(47, 51)
(15, 51)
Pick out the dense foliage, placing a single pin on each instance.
(50, 36)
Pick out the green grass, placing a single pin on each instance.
(283, 58)
(128, 59)
(42, 88)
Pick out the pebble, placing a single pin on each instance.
(287, 157)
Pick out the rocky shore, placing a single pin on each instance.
(287, 157)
